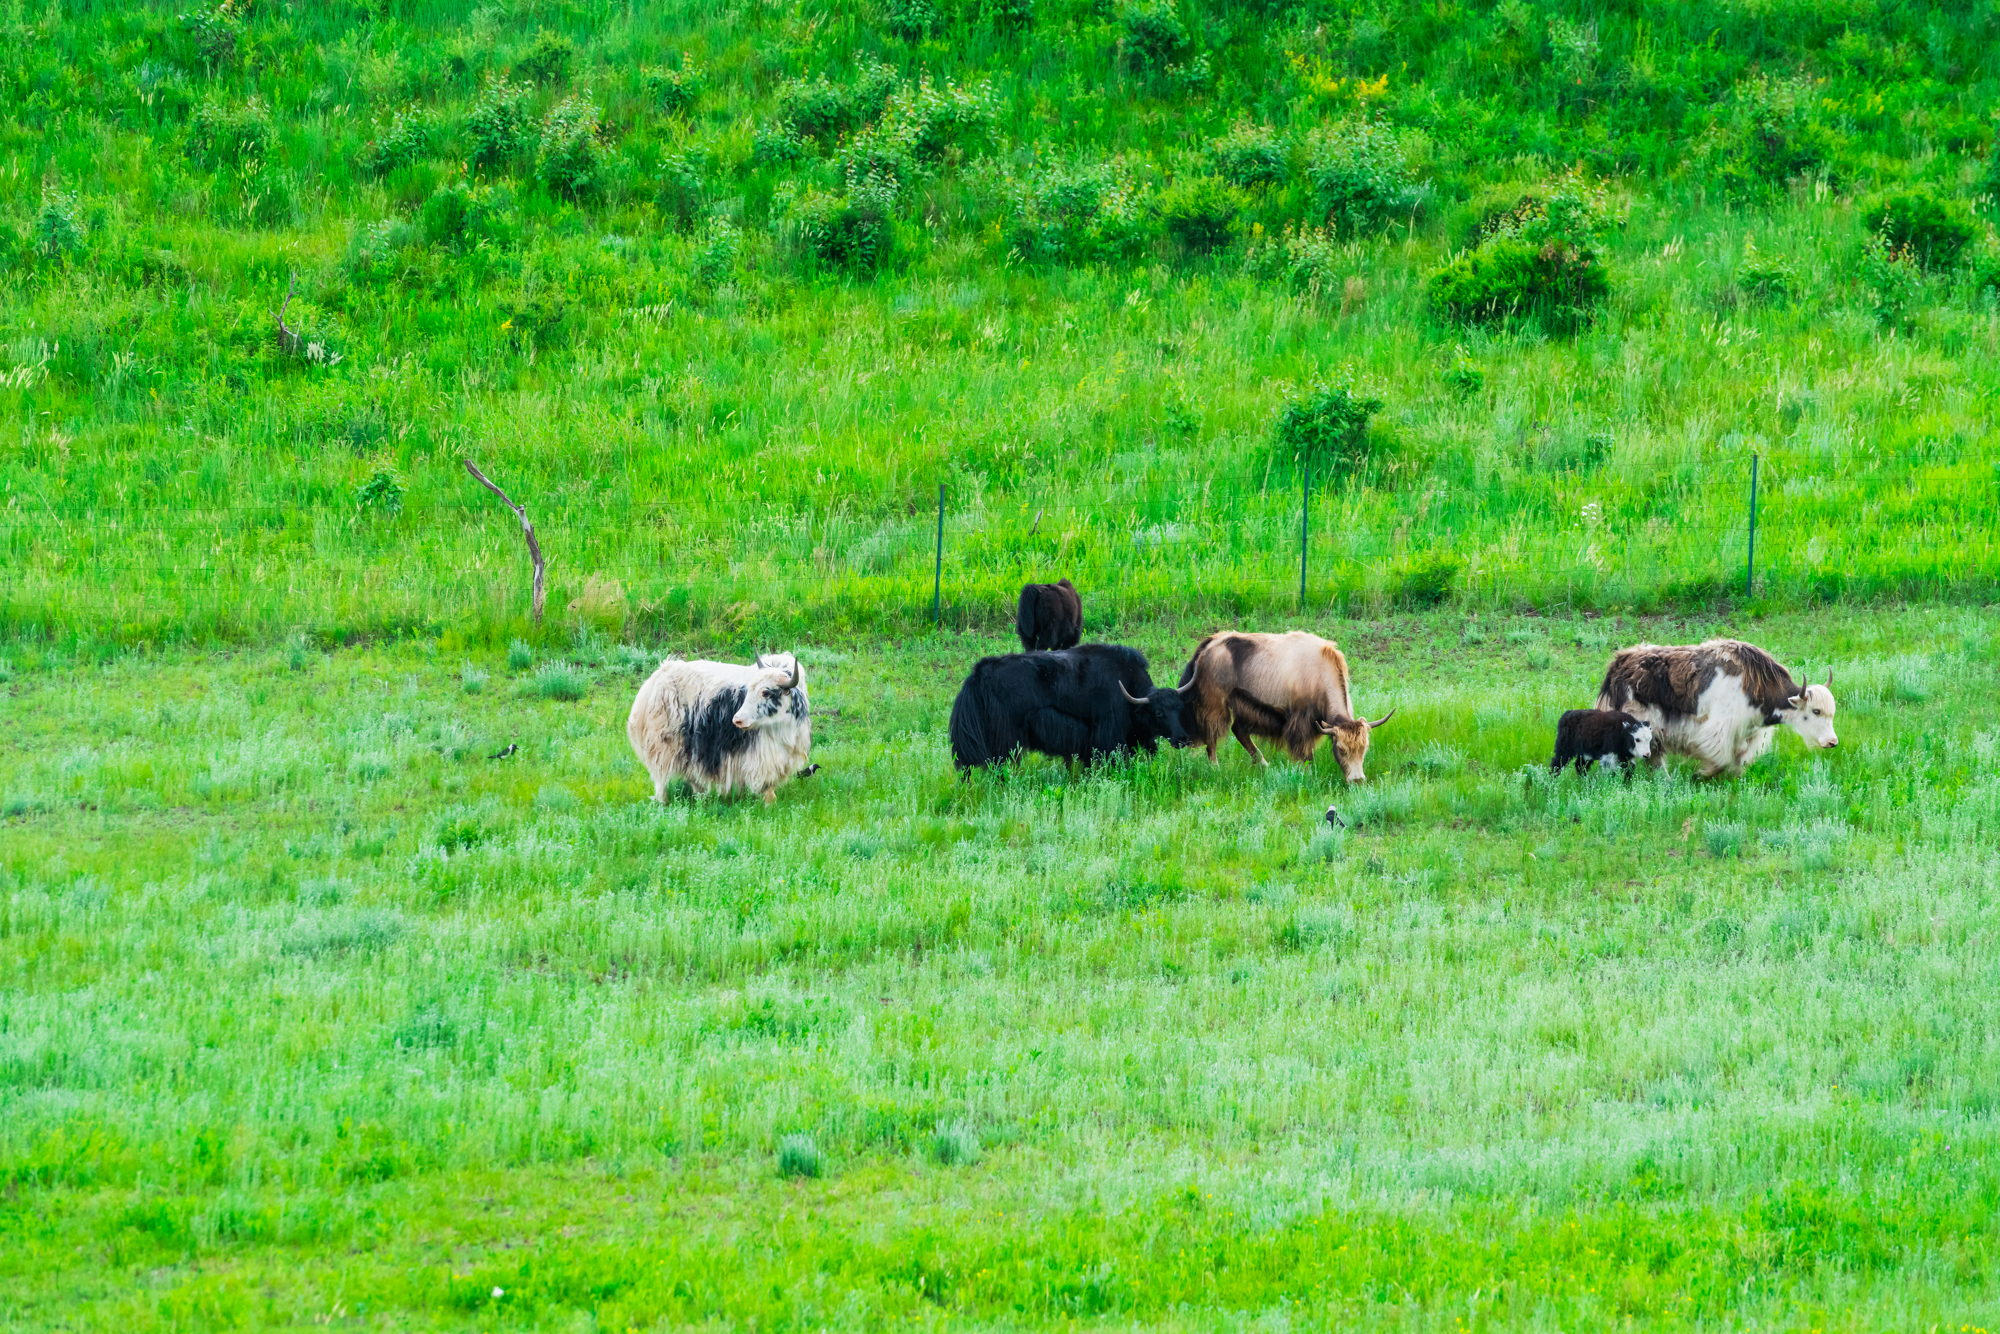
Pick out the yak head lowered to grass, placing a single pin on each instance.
(1350, 742)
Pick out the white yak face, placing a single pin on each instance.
(776, 693)
(1642, 741)
(1810, 714)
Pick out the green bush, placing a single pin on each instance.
(675, 91)
(222, 136)
(853, 230)
(520, 656)
(1199, 214)
(823, 110)
(1326, 429)
(58, 233)
(909, 20)
(463, 215)
(1248, 156)
(1508, 278)
(929, 120)
(715, 258)
(561, 681)
(683, 189)
(1934, 231)
(1307, 259)
(1361, 180)
(1892, 280)
(409, 138)
(1072, 213)
(498, 127)
(1767, 132)
(458, 214)
(1151, 35)
(382, 491)
(570, 161)
(1427, 579)
(1006, 15)
(547, 59)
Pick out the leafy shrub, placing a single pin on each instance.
(927, 121)
(561, 681)
(1326, 429)
(675, 91)
(715, 257)
(1892, 280)
(1508, 278)
(852, 230)
(1151, 35)
(1248, 156)
(409, 138)
(537, 318)
(458, 214)
(570, 161)
(373, 250)
(1361, 178)
(1934, 231)
(823, 110)
(1072, 213)
(57, 234)
(683, 187)
(1426, 580)
(547, 58)
(1767, 132)
(779, 146)
(1199, 213)
(910, 20)
(211, 37)
(382, 491)
(1463, 377)
(798, 1156)
(1307, 259)
(222, 136)
(1766, 279)
(1006, 15)
(498, 127)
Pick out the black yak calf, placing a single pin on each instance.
(1050, 616)
(1085, 702)
(1600, 736)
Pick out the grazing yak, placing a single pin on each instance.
(1720, 701)
(1050, 616)
(722, 726)
(1291, 687)
(1089, 701)
(1602, 737)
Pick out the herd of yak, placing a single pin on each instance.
(724, 727)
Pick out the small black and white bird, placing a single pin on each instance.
(505, 751)
(809, 771)
(1333, 818)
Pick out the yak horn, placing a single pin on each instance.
(1130, 697)
(1829, 678)
(1383, 719)
(1324, 726)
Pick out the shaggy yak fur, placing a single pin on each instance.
(1291, 687)
(1050, 616)
(1720, 701)
(722, 726)
(1600, 736)
(1084, 702)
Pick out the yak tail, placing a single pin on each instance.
(1187, 672)
(969, 748)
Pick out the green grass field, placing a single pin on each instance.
(312, 1014)
(315, 1013)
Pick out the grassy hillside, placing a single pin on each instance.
(724, 293)
(312, 1013)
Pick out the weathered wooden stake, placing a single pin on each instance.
(1305, 515)
(527, 531)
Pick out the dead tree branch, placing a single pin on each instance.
(290, 341)
(527, 531)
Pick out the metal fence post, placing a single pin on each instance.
(937, 578)
(1305, 513)
(1750, 563)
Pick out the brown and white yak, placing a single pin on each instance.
(1291, 687)
(1720, 702)
(722, 726)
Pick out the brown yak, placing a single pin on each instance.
(1292, 687)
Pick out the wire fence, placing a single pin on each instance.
(1157, 544)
